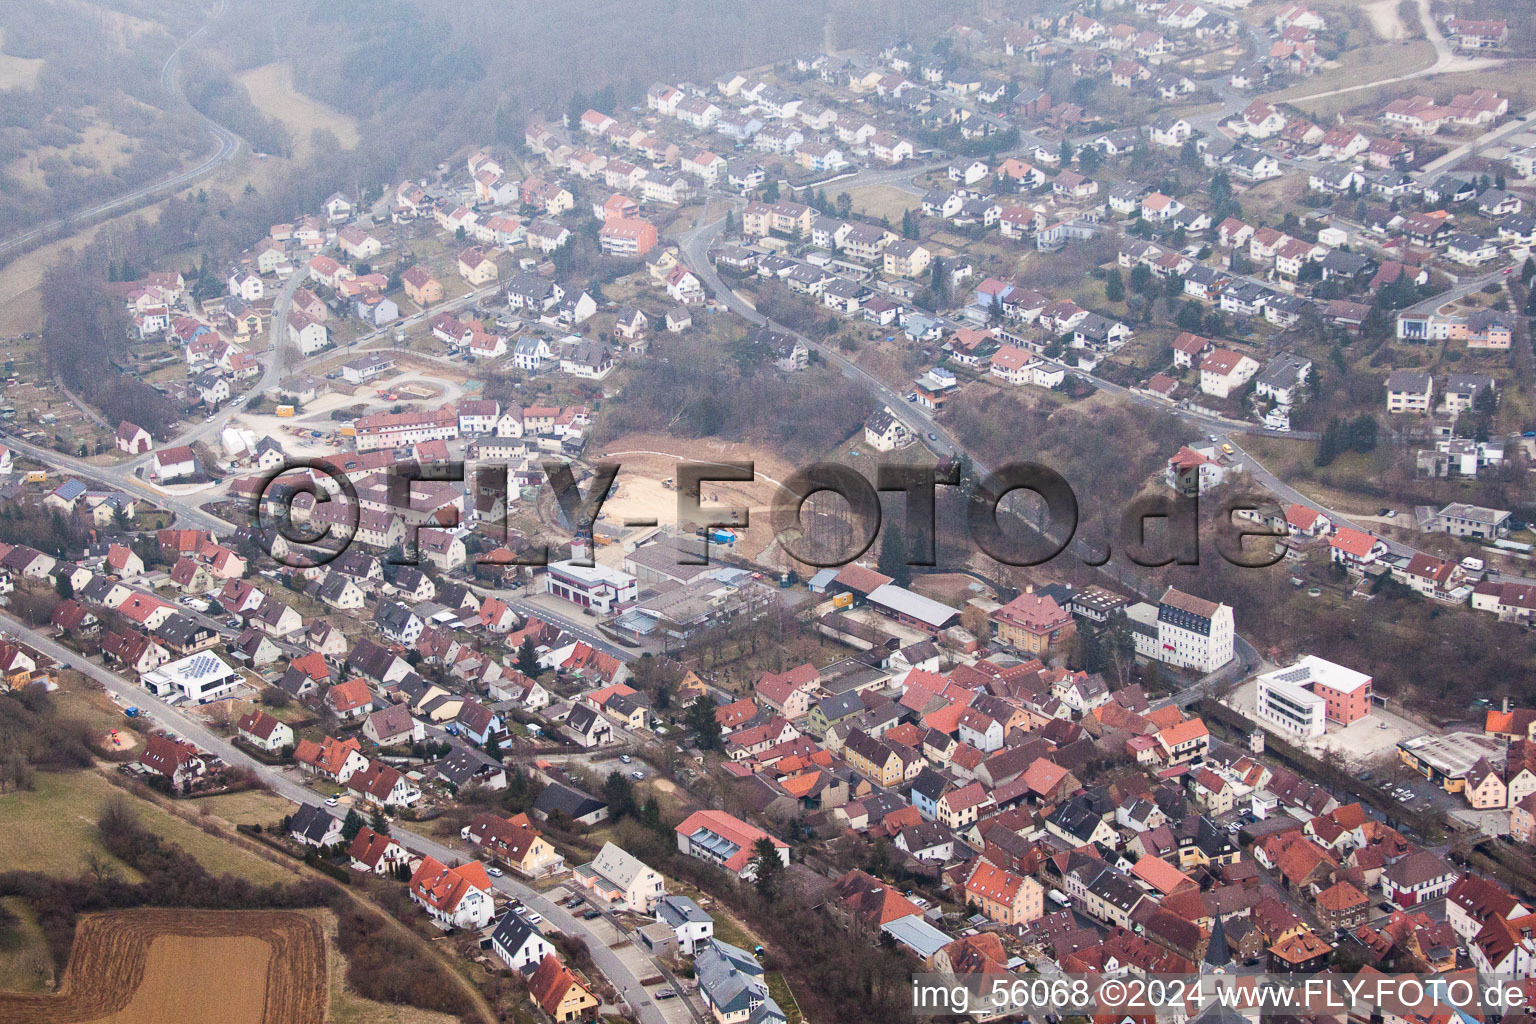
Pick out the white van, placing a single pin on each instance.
(1472, 564)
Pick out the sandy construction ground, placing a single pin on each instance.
(646, 460)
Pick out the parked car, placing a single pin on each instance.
(494, 871)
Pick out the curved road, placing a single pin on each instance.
(228, 144)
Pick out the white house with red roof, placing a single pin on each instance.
(1159, 207)
(594, 122)
(727, 841)
(380, 785)
(704, 165)
(123, 562)
(1189, 348)
(459, 897)
(146, 611)
(377, 853)
(1225, 371)
(1259, 120)
(1307, 522)
(1355, 549)
(260, 729)
(1194, 471)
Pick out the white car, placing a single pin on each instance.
(493, 871)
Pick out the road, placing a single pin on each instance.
(284, 784)
(1259, 474)
(272, 372)
(187, 512)
(1459, 290)
(227, 144)
(1520, 122)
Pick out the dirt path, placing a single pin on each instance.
(1385, 21)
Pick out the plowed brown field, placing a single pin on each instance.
(186, 967)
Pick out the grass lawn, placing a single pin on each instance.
(1364, 64)
(80, 697)
(271, 90)
(18, 72)
(252, 807)
(157, 520)
(1339, 485)
(25, 964)
(884, 201)
(778, 988)
(52, 828)
(728, 929)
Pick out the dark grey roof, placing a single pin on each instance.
(929, 784)
(312, 822)
(842, 705)
(462, 765)
(513, 933)
(679, 910)
(567, 800)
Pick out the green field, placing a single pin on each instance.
(778, 988)
(252, 807)
(1364, 64)
(52, 828)
(25, 964)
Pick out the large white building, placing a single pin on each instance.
(1302, 698)
(198, 678)
(1289, 707)
(1184, 631)
(596, 587)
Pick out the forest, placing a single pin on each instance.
(695, 389)
(100, 73)
(1003, 426)
(84, 329)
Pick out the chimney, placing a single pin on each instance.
(1504, 704)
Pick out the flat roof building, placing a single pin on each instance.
(1446, 759)
(199, 678)
(596, 586)
(1340, 694)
